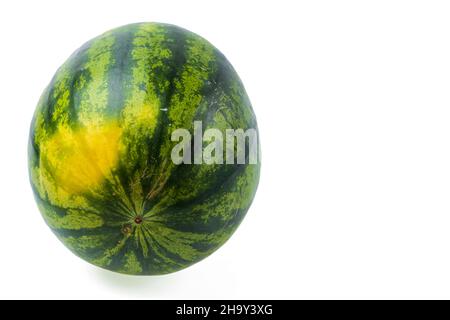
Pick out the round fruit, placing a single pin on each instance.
(101, 150)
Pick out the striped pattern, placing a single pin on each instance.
(99, 150)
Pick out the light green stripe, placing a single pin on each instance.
(94, 97)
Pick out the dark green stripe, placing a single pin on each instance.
(119, 75)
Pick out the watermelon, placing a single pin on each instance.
(101, 150)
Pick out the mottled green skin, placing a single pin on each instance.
(99, 150)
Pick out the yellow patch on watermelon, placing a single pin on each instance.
(81, 159)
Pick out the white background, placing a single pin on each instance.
(353, 104)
